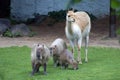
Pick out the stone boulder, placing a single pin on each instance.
(5, 24)
(5, 21)
(3, 28)
(20, 30)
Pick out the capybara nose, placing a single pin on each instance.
(38, 56)
(50, 53)
(76, 68)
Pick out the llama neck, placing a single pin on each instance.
(69, 27)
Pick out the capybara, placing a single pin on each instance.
(66, 58)
(56, 48)
(40, 55)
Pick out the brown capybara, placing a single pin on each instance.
(66, 58)
(56, 48)
(40, 55)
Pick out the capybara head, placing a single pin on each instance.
(53, 50)
(39, 51)
(75, 65)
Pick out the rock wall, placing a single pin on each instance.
(24, 9)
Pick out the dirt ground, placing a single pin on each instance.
(47, 34)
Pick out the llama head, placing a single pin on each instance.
(70, 17)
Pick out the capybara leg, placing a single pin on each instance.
(63, 66)
(66, 65)
(34, 70)
(45, 65)
(58, 63)
(32, 65)
(37, 68)
(55, 62)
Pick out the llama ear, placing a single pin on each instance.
(75, 10)
(71, 9)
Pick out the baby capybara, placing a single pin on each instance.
(67, 58)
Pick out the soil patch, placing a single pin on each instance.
(46, 33)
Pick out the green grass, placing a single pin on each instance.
(118, 31)
(104, 64)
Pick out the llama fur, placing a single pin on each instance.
(78, 25)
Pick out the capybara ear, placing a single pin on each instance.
(43, 45)
(55, 46)
(38, 44)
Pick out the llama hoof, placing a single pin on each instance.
(86, 60)
(79, 62)
(55, 66)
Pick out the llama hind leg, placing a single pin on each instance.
(79, 53)
(86, 48)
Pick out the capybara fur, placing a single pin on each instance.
(66, 58)
(56, 48)
(40, 55)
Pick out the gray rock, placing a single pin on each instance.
(4, 25)
(3, 28)
(5, 21)
(39, 18)
(20, 30)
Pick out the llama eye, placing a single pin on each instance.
(68, 15)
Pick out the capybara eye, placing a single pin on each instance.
(50, 48)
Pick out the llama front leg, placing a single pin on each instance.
(72, 44)
(79, 53)
(86, 48)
